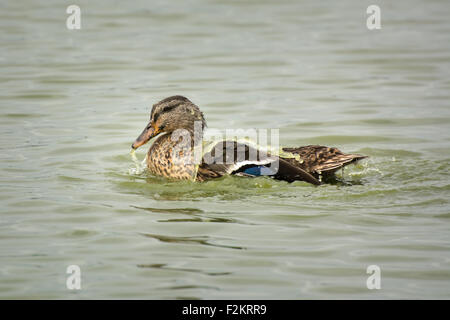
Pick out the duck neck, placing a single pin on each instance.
(196, 132)
(192, 134)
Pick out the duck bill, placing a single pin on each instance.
(144, 137)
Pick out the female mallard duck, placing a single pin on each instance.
(171, 154)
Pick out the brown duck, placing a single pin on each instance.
(173, 154)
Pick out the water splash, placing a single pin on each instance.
(363, 169)
(139, 166)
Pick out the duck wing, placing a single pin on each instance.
(237, 158)
(320, 159)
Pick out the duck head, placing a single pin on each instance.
(168, 115)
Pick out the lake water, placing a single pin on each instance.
(73, 101)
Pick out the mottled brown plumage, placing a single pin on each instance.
(177, 121)
(321, 160)
(160, 159)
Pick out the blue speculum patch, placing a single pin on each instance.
(259, 171)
